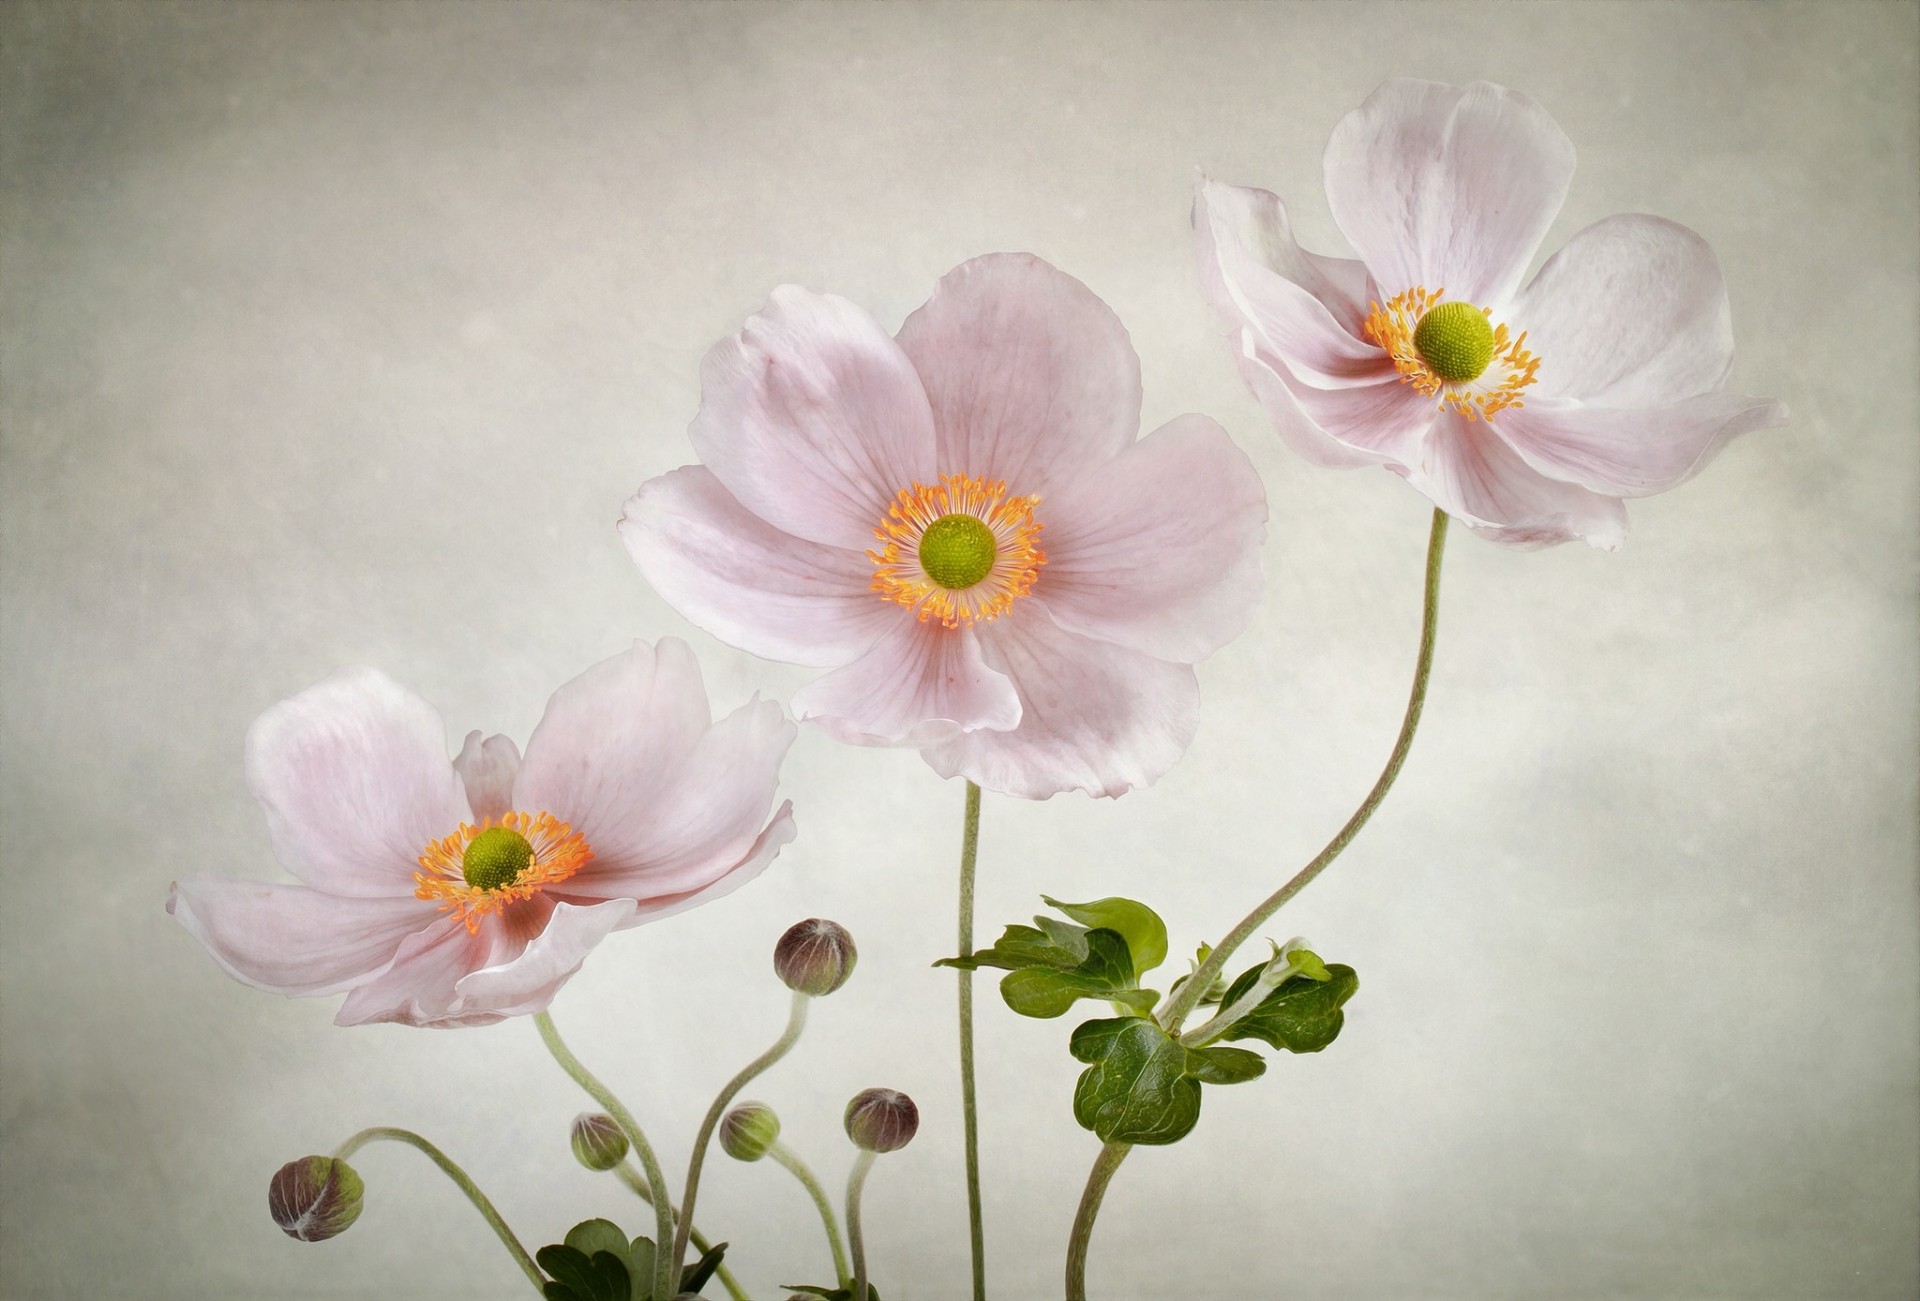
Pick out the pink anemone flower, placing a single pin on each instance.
(962, 523)
(462, 893)
(1527, 413)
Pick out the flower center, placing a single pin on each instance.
(496, 857)
(1452, 350)
(957, 551)
(1456, 341)
(961, 551)
(481, 870)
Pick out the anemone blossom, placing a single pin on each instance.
(962, 523)
(457, 894)
(1527, 413)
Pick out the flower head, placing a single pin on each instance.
(962, 524)
(441, 893)
(315, 1198)
(1526, 412)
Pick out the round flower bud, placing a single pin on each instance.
(315, 1198)
(749, 1130)
(882, 1120)
(598, 1141)
(815, 957)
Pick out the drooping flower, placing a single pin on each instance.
(963, 524)
(459, 893)
(1527, 413)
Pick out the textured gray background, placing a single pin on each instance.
(337, 334)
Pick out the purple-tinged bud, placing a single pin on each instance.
(315, 1198)
(882, 1120)
(598, 1141)
(815, 957)
(749, 1131)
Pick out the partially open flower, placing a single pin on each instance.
(882, 1120)
(451, 894)
(815, 957)
(749, 1131)
(598, 1141)
(315, 1198)
(961, 522)
(1528, 413)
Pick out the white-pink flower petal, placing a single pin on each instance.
(1031, 377)
(1631, 313)
(1634, 452)
(612, 740)
(729, 571)
(1470, 472)
(813, 419)
(419, 987)
(487, 769)
(292, 939)
(354, 778)
(680, 835)
(918, 684)
(1306, 311)
(1159, 549)
(1095, 717)
(1447, 187)
(527, 982)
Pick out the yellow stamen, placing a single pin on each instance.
(558, 852)
(1511, 370)
(900, 576)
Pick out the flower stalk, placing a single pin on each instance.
(976, 1232)
(796, 1022)
(1188, 996)
(855, 1182)
(465, 1182)
(787, 1157)
(666, 1270)
(638, 1183)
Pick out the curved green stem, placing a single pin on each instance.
(1097, 1179)
(635, 1180)
(798, 1168)
(855, 1182)
(467, 1186)
(1184, 1002)
(969, 1108)
(666, 1272)
(1188, 996)
(796, 1022)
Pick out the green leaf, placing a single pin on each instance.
(1021, 947)
(831, 1294)
(590, 1236)
(1137, 924)
(640, 1264)
(1225, 1065)
(694, 1277)
(1136, 1088)
(1302, 1016)
(1106, 973)
(579, 1277)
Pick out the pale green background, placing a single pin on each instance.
(337, 333)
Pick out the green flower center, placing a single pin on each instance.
(1456, 340)
(497, 857)
(957, 551)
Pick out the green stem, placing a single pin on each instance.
(666, 1272)
(1183, 1002)
(798, 1168)
(1188, 996)
(855, 1182)
(796, 1022)
(635, 1180)
(1097, 1179)
(976, 1232)
(467, 1186)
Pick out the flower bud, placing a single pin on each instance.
(882, 1120)
(315, 1198)
(749, 1131)
(598, 1141)
(815, 957)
